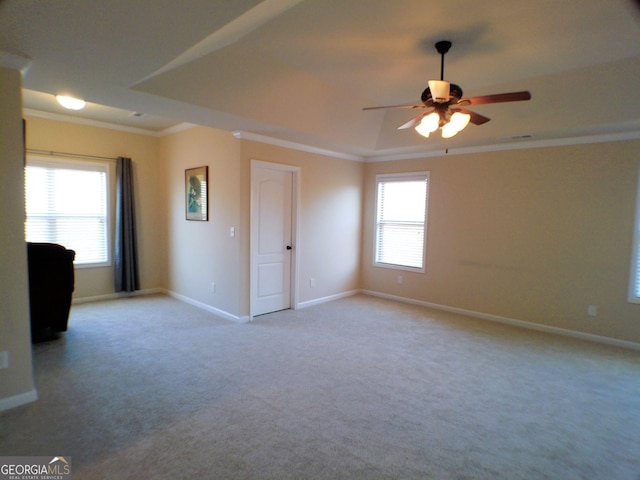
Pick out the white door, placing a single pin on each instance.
(271, 239)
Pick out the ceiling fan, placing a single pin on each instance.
(446, 104)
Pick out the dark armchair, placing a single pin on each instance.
(51, 285)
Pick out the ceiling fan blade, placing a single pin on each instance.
(413, 122)
(395, 106)
(476, 118)
(496, 98)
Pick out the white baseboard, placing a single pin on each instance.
(115, 296)
(18, 400)
(247, 318)
(471, 313)
(512, 321)
(208, 308)
(330, 298)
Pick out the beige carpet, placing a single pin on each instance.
(359, 388)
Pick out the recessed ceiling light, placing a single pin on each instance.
(70, 102)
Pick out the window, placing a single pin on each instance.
(634, 283)
(67, 204)
(401, 212)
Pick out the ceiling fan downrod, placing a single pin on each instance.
(442, 47)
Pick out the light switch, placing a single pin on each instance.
(232, 232)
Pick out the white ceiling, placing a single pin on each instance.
(302, 70)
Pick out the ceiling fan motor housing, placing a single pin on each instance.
(455, 92)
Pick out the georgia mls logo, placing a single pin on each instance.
(35, 468)
(62, 465)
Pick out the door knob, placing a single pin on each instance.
(288, 247)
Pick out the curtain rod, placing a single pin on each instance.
(70, 155)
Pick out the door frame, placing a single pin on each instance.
(295, 229)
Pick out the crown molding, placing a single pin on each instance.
(388, 157)
(92, 123)
(521, 145)
(296, 146)
(181, 127)
(14, 62)
(513, 145)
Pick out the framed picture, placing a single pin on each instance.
(196, 183)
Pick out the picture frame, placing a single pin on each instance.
(196, 189)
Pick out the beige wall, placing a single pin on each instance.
(330, 218)
(16, 382)
(200, 253)
(534, 235)
(58, 136)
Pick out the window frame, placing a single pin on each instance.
(399, 177)
(634, 273)
(82, 165)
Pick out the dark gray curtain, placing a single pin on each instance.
(126, 249)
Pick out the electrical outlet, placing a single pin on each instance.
(312, 282)
(400, 280)
(592, 310)
(4, 359)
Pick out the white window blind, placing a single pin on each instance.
(401, 214)
(635, 295)
(634, 282)
(66, 203)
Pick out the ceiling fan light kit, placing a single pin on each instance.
(446, 101)
(429, 124)
(456, 124)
